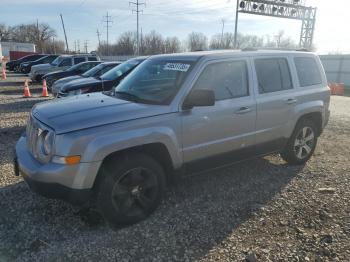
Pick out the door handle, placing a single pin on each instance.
(291, 101)
(243, 110)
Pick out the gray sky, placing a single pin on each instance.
(174, 18)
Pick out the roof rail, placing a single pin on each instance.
(276, 49)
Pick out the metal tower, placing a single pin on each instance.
(291, 9)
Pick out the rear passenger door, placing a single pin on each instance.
(275, 101)
(227, 126)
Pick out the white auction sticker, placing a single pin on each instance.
(176, 67)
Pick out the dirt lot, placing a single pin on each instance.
(261, 210)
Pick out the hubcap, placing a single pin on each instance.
(304, 142)
(135, 192)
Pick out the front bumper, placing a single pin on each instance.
(72, 183)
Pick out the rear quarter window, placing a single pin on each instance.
(308, 71)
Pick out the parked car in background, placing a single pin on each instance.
(104, 83)
(60, 63)
(77, 69)
(25, 67)
(174, 114)
(93, 73)
(14, 64)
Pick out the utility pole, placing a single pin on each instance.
(236, 26)
(98, 37)
(54, 45)
(38, 35)
(75, 46)
(137, 11)
(78, 43)
(222, 32)
(86, 46)
(108, 21)
(65, 35)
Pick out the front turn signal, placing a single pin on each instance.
(66, 160)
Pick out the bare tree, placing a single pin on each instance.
(126, 44)
(5, 32)
(153, 43)
(197, 41)
(172, 45)
(220, 41)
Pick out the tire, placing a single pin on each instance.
(301, 145)
(130, 190)
(38, 78)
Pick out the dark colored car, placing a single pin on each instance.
(25, 67)
(93, 73)
(77, 69)
(16, 63)
(103, 83)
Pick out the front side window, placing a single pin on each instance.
(273, 75)
(227, 79)
(308, 72)
(155, 81)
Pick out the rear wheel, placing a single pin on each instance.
(131, 189)
(301, 144)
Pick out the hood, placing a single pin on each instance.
(41, 67)
(92, 110)
(59, 83)
(81, 83)
(53, 73)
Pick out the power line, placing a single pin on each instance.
(108, 21)
(137, 11)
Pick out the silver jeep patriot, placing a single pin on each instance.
(173, 114)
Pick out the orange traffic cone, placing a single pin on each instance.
(3, 75)
(26, 92)
(44, 93)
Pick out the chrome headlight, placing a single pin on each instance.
(45, 144)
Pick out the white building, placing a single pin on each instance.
(6, 47)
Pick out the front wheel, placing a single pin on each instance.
(131, 189)
(301, 144)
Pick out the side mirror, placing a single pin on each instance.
(199, 97)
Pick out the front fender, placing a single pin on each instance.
(103, 146)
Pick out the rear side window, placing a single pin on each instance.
(92, 58)
(308, 71)
(78, 60)
(227, 79)
(273, 75)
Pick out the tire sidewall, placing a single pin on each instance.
(289, 153)
(112, 172)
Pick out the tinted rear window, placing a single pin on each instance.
(308, 71)
(273, 75)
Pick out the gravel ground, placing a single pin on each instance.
(261, 211)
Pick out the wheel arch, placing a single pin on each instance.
(158, 151)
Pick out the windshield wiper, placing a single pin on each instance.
(129, 96)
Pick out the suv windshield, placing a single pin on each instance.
(119, 70)
(57, 60)
(93, 71)
(155, 81)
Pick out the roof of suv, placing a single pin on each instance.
(221, 53)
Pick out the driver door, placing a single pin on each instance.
(227, 126)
